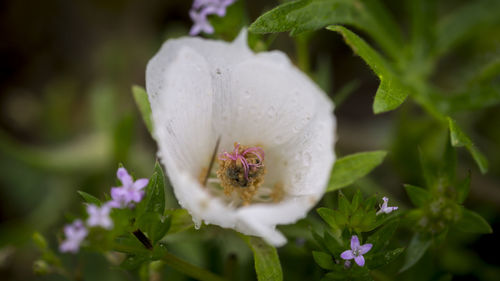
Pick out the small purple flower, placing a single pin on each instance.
(129, 192)
(357, 251)
(203, 8)
(75, 233)
(99, 216)
(384, 208)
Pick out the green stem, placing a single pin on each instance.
(302, 50)
(189, 269)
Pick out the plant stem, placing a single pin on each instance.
(189, 269)
(178, 264)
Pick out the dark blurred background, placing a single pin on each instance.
(67, 118)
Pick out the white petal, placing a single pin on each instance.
(181, 102)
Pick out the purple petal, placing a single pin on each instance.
(140, 184)
(354, 242)
(124, 177)
(136, 196)
(115, 204)
(92, 209)
(360, 260)
(347, 255)
(363, 249)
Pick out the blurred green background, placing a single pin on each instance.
(67, 118)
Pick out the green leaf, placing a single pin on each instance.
(324, 260)
(154, 200)
(267, 262)
(459, 138)
(89, 198)
(307, 15)
(382, 259)
(327, 215)
(466, 22)
(418, 196)
(473, 222)
(132, 262)
(462, 188)
(180, 220)
(417, 248)
(333, 244)
(344, 205)
(154, 225)
(350, 168)
(128, 244)
(391, 92)
(142, 101)
(357, 200)
(381, 238)
(487, 73)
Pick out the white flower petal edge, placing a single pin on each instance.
(201, 89)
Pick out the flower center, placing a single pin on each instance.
(241, 171)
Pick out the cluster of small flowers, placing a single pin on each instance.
(357, 250)
(203, 8)
(123, 196)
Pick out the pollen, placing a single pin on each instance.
(242, 171)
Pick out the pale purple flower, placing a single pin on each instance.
(129, 192)
(357, 251)
(203, 8)
(99, 216)
(75, 233)
(201, 23)
(384, 208)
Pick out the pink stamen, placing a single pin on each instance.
(235, 155)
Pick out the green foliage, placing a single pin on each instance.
(354, 218)
(418, 196)
(391, 92)
(459, 138)
(473, 222)
(142, 101)
(324, 260)
(417, 248)
(267, 263)
(464, 22)
(89, 198)
(307, 15)
(350, 168)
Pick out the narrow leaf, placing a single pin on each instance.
(462, 188)
(89, 198)
(353, 167)
(465, 22)
(324, 260)
(154, 200)
(142, 101)
(391, 92)
(382, 259)
(459, 138)
(180, 220)
(473, 222)
(267, 263)
(381, 238)
(417, 248)
(418, 196)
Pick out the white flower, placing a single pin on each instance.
(201, 90)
